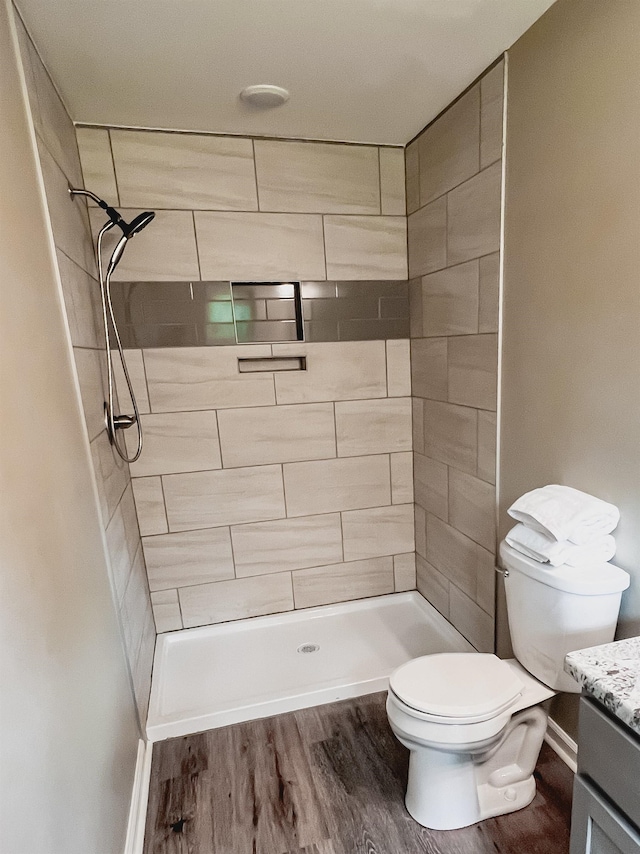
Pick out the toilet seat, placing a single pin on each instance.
(456, 688)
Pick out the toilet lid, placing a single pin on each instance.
(456, 685)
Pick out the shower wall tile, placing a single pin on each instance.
(164, 251)
(286, 544)
(486, 580)
(470, 620)
(450, 434)
(149, 498)
(236, 599)
(82, 303)
(137, 375)
(192, 557)
(377, 532)
(166, 611)
(183, 379)
(489, 299)
(433, 585)
(277, 434)
(473, 216)
(431, 485)
(450, 147)
(177, 170)
(491, 91)
(401, 478)
(136, 601)
(316, 177)
(473, 370)
(345, 484)
(123, 542)
(342, 582)
(341, 371)
(427, 238)
(365, 247)
(373, 426)
(429, 368)
(398, 368)
(392, 187)
(404, 572)
(450, 301)
(260, 247)
(176, 442)
(90, 377)
(97, 163)
(472, 508)
(452, 553)
(487, 426)
(112, 475)
(412, 177)
(143, 666)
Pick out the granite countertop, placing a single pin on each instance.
(611, 674)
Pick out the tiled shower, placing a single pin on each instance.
(268, 490)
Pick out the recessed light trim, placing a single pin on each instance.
(264, 95)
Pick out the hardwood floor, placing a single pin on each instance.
(327, 780)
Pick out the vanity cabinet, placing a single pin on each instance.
(605, 818)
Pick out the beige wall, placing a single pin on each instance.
(453, 172)
(260, 493)
(69, 732)
(60, 164)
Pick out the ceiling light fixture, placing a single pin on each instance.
(264, 95)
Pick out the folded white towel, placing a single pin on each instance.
(565, 513)
(547, 550)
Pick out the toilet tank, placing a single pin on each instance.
(556, 610)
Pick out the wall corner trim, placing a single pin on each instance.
(562, 744)
(139, 798)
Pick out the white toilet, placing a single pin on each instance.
(473, 722)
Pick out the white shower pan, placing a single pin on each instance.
(218, 675)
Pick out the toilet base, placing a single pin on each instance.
(449, 789)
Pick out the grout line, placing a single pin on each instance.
(233, 554)
(284, 492)
(380, 183)
(195, 240)
(342, 537)
(164, 505)
(324, 251)
(255, 173)
(113, 166)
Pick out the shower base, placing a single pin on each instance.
(218, 675)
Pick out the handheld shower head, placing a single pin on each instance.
(129, 230)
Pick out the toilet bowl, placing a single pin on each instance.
(474, 729)
(473, 723)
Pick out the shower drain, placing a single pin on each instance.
(306, 648)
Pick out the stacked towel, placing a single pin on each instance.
(547, 550)
(560, 525)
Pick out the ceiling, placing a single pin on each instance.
(358, 70)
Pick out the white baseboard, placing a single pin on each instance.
(139, 797)
(562, 744)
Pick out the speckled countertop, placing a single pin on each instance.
(611, 674)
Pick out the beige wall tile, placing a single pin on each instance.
(316, 177)
(418, 424)
(149, 498)
(420, 521)
(486, 580)
(69, 221)
(278, 434)
(188, 378)
(489, 302)
(491, 94)
(97, 163)
(470, 620)
(228, 497)
(392, 183)
(82, 303)
(192, 557)
(261, 247)
(123, 541)
(427, 238)
(236, 599)
(473, 216)
(415, 308)
(433, 585)
(401, 478)
(26, 49)
(450, 434)
(164, 252)
(179, 170)
(398, 368)
(89, 369)
(166, 611)
(404, 572)
(373, 426)
(487, 446)
(176, 442)
(452, 553)
(473, 370)
(450, 301)
(431, 485)
(112, 475)
(136, 605)
(138, 377)
(450, 147)
(343, 582)
(325, 486)
(472, 508)
(285, 544)
(379, 531)
(366, 247)
(348, 370)
(429, 368)
(412, 177)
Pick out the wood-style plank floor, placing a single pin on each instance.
(326, 780)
